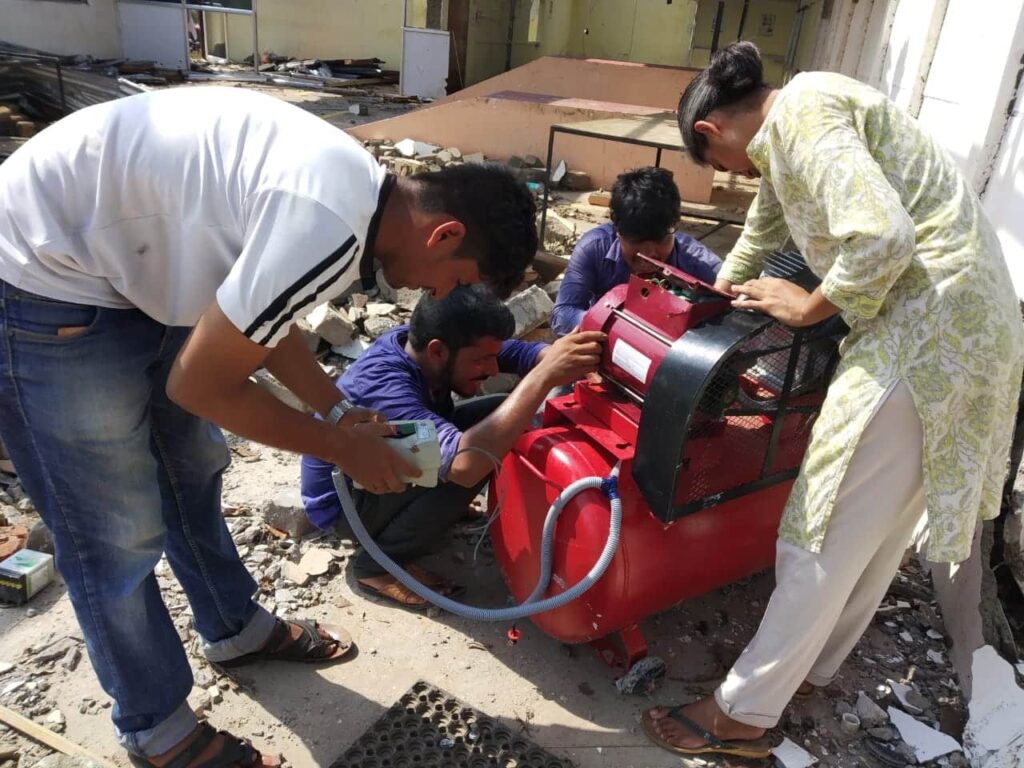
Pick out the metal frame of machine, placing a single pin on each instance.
(708, 409)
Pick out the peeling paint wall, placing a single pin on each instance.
(61, 27)
(956, 65)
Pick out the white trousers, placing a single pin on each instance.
(824, 601)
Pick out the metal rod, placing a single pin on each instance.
(743, 19)
(657, 158)
(637, 324)
(218, 9)
(716, 30)
(733, 493)
(546, 187)
(628, 391)
(779, 418)
(511, 29)
(185, 24)
(710, 232)
(60, 89)
(255, 40)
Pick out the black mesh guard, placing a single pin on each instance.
(730, 408)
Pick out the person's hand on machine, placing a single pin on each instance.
(572, 357)
(365, 456)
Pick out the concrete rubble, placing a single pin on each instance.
(994, 735)
(301, 571)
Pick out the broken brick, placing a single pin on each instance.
(530, 308)
(331, 324)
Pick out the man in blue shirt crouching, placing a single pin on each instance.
(645, 210)
(450, 345)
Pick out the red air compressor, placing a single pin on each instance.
(709, 410)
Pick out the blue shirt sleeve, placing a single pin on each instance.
(577, 291)
(696, 258)
(319, 498)
(519, 356)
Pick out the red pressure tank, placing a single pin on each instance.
(709, 411)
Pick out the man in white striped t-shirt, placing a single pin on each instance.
(154, 252)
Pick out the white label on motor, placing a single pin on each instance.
(631, 360)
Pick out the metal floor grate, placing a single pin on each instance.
(428, 728)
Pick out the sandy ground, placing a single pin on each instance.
(561, 697)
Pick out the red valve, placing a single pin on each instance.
(513, 636)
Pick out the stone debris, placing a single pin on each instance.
(359, 109)
(791, 755)
(286, 513)
(57, 760)
(559, 172)
(909, 699)
(926, 742)
(994, 735)
(294, 573)
(332, 324)
(352, 350)
(56, 721)
(577, 181)
(380, 309)
(530, 308)
(375, 327)
(316, 562)
(869, 712)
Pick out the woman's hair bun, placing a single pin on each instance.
(736, 70)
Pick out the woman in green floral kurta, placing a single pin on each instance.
(906, 256)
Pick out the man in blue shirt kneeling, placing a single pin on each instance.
(645, 210)
(450, 345)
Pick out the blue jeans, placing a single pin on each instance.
(121, 475)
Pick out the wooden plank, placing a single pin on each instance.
(45, 736)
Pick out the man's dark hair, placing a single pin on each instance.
(499, 215)
(645, 204)
(463, 317)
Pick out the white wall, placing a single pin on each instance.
(972, 80)
(62, 27)
(955, 65)
(1004, 197)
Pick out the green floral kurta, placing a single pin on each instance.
(888, 223)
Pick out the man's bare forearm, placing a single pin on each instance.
(498, 432)
(251, 412)
(294, 365)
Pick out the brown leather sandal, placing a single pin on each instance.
(234, 752)
(311, 646)
(397, 593)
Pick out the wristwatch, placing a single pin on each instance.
(337, 413)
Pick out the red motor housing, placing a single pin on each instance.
(709, 412)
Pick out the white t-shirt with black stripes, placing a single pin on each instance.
(166, 200)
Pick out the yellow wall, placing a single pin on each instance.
(329, 29)
(646, 31)
(555, 24)
(488, 37)
(773, 46)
